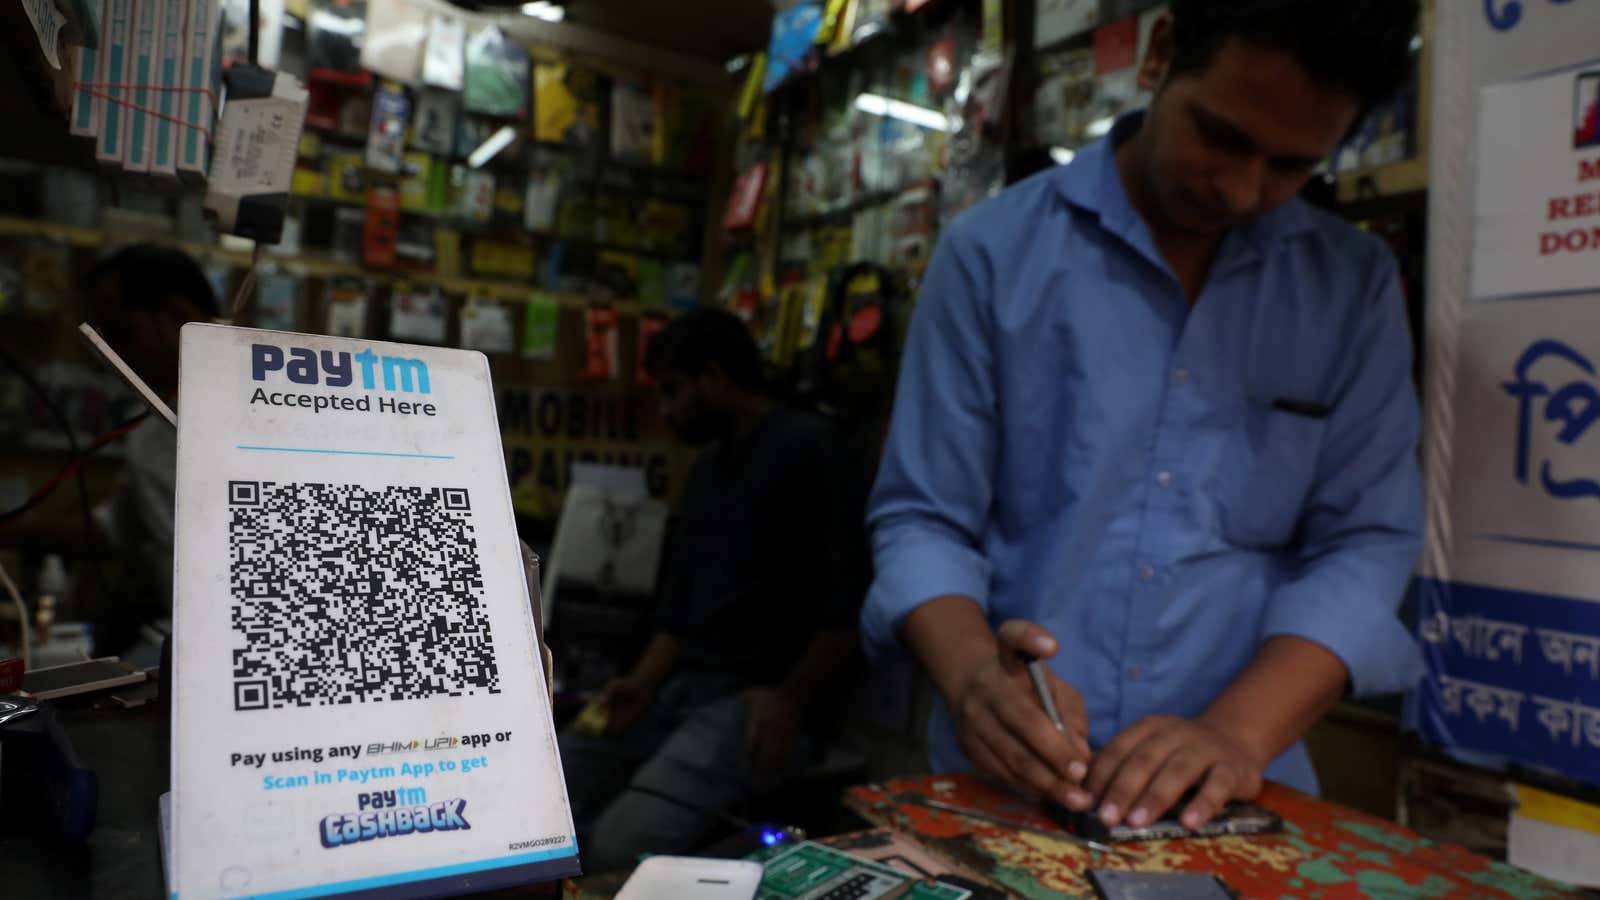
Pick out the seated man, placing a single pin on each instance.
(138, 298)
(756, 613)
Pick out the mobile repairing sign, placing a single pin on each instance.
(359, 702)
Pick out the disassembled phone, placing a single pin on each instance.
(1235, 818)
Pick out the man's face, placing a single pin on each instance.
(689, 408)
(1236, 139)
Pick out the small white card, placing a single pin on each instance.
(418, 316)
(359, 699)
(486, 326)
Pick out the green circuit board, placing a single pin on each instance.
(811, 871)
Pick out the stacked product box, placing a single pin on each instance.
(148, 95)
(137, 77)
(164, 127)
(85, 100)
(202, 80)
(113, 54)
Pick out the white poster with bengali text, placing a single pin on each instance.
(1512, 636)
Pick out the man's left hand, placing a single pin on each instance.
(1145, 769)
(771, 730)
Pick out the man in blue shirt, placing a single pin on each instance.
(1155, 424)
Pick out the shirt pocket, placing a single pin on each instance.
(1268, 472)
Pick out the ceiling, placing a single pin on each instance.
(711, 29)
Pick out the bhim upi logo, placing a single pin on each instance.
(1575, 406)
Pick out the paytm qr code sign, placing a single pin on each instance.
(359, 705)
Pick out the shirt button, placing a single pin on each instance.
(1164, 479)
(1146, 573)
(1135, 673)
(1180, 376)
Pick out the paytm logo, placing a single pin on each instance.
(302, 366)
(1573, 408)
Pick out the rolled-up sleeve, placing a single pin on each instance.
(1362, 526)
(935, 484)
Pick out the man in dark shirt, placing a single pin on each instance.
(756, 614)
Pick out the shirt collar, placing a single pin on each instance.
(1093, 183)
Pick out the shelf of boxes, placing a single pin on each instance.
(319, 267)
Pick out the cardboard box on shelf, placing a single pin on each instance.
(112, 59)
(415, 170)
(202, 79)
(566, 105)
(138, 69)
(382, 227)
(347, 178)
(164, 128)
(386, 136)
(86, 101)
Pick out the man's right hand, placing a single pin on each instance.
(1005, 731)
(625, 699)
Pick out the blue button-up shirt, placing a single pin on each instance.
(1161, 486)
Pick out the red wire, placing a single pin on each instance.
(210, 95)
(67, 471)
(146, 110)
(95, 444)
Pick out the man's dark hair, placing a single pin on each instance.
(1360, 46)
(704, 336)
(145, 274)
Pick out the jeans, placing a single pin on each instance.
(690, 745)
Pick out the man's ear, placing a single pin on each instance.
(1157, 60)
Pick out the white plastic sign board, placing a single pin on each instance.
(359, 706)
(1511, 640)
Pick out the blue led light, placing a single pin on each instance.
(770, 837)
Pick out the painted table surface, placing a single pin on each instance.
(1326, 851)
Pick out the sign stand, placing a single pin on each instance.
(360, 704)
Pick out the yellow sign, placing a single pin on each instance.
(1557, 809)
(545, 430)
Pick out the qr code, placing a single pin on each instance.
(347, 594)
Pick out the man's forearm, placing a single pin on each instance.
(950, 636)
(824, 662)
(1279, 696)
(658, 658)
